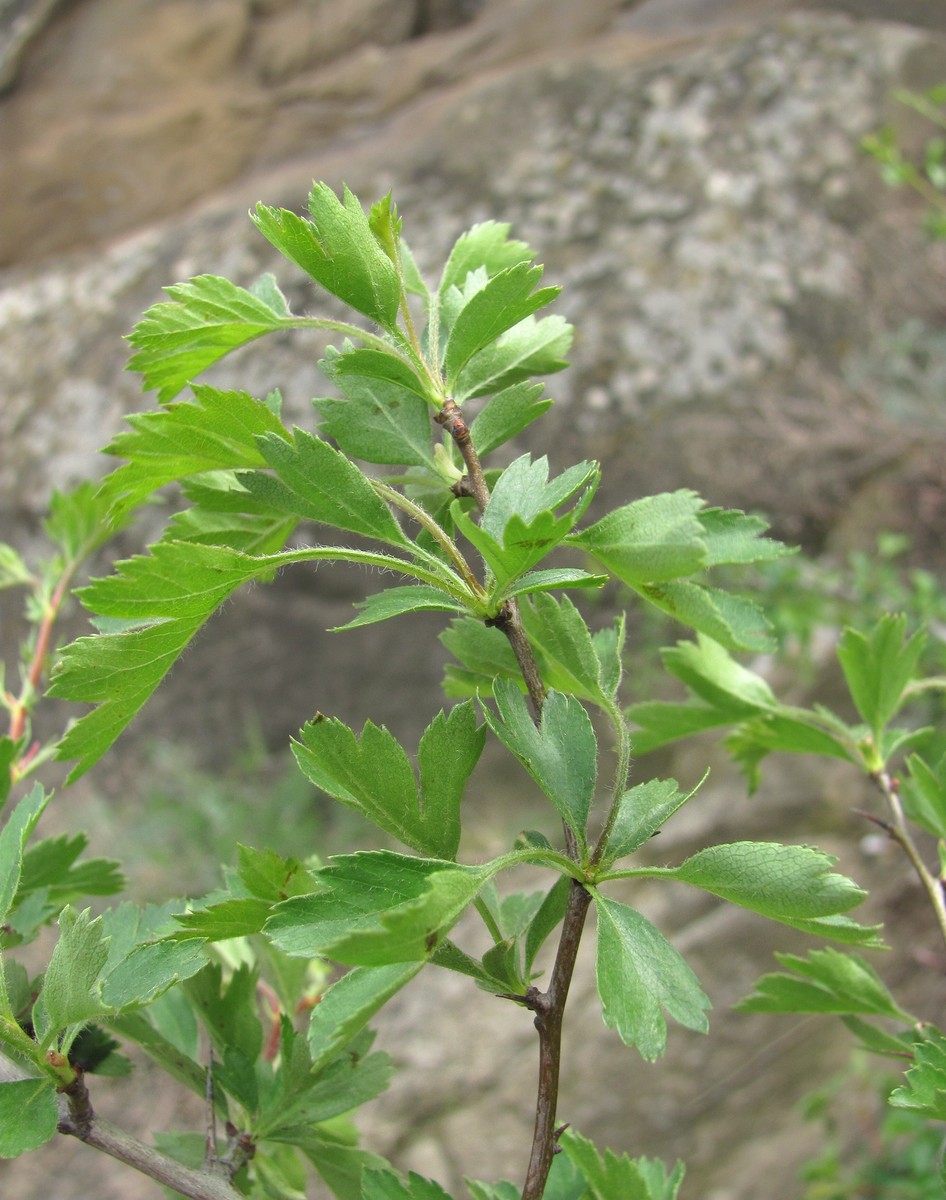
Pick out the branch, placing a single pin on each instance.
(77, 1119)
(549, 1008)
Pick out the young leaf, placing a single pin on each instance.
(508, 298)
(377, 908)
(878, 666)
(639, 976)
(560, 754)
(643, 810)
(13, 837)
(71, 991)
(608, 1175)
(339, 250)
(28, 1115)
(924, 794)
(217, 432)
(533, 347)
(396, 601)
(486, 245)
(374, 775)
(506, 415)
(830, 982)
(924, 1090)
(204, 320)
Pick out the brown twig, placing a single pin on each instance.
(549, 1008)
(77, 1119)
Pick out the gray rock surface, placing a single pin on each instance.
(737, 276)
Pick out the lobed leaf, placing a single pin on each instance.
(29, 1115)
(878, 666)
(346, 1007)
(640, 976)
(217, 431)
(507, 414)
(924, 1088)
(377, 908)
(560, 753)
(532, 347)
(339, 250)
(826, 982)
(608, 1175)
(203, 321)
(505, 300)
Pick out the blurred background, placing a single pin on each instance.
(759, 317)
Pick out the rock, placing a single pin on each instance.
(736, 273)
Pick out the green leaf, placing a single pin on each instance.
(734, 622)
(203, 321)
(228, 1008)
(339, 250)
(385, 1185)
(519, 527)
(377, 908)
(785, 883)
(345, 1084)
(716, 677)
(924, 1090)
(217, 432)
(506, 299)
(485, 245)
(830, 982)
(397, 601)
(13, 570)
(733, 537)
(173, 591)
(640, 976)
(377, 420)
(565, 647)
(13, 837)
(71, 991)
(560, 753)
(51, 864)
(548, 917)
(533, 347)
(149, 970)
(236, 916)
(878, 666)
(315, 481)
(507, 414)
(484, 654)
(28, 1115)
(338, 1163)
(346, 1007)
(374, 775)
(643, 810)
(551, 580)
(651, 540)
(924, 794)
(610, 1176)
